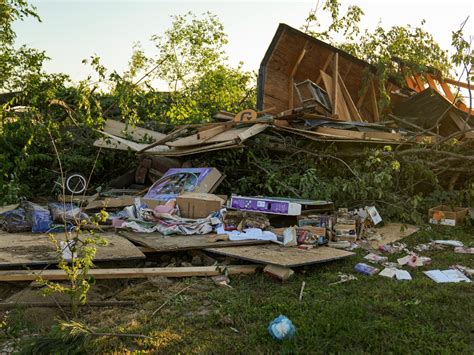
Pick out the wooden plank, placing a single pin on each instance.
(383, 136)
(212, 131)
(283, 256)
(335, 75)
(458, 83)
(342, 133)
(410, 83)
(431, 82)
(343, 112)
(137, 147)
(177, 132)
(200, 149)
(128, 273)
(252, 131)
(120, 129)
(160, 243)
(419, 82)
(373, 102)
(355, 115)
(18, 249)
(325, 67)
(16, 305)
(192, 140)
(447, 91)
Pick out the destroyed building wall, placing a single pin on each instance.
(294, 56)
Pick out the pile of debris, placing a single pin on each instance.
(306, 89)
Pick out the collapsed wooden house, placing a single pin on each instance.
(294, 57)
(311, 89)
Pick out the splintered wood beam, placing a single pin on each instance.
(447, 91)
(293, 72)
(325, 66)
(373, 100)
(431, 82)
(335, 76)
(410, 83)
(355, 115)
(458, 83)
(419, 82)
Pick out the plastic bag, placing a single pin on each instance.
(67, 213)
(39, 218)
(281, 328)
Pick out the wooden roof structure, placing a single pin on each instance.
(294, 56)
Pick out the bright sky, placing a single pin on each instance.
(74, 30)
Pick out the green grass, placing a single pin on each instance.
(368, 315)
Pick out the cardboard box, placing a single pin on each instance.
(446, 215)
(198, 205)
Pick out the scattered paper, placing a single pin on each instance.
(446, 276)
(375, 258)
(248, 234)
(414, 260)
(374, 215)
(463, 250)
(402, 275)
(395, 273)
(388, 272)
(404, 260)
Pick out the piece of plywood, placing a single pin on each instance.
(212, 131)
(129, 273)
(37, 249)
(199, 149)
(393, 232)
(343, 112)
(355, 115)
(193, 140)
(341, 133)
(335, 84)
(160, 243)
(132, 145)
(283, 256)
(383, 136)
(120, 129)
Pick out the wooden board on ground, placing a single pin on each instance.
(283, 256)
(392, 232)
(128, 273)
(160, 243)
(36, 249)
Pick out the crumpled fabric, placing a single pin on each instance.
(168, 224)
(248, 234)
(142, 219)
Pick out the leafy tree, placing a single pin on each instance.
(415, 47)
